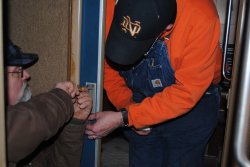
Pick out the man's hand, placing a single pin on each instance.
(82, 105)
(142, 132)
(69, 87)
(105, 123)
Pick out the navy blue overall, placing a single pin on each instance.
(180, 142)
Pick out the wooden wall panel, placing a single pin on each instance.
(76, 27)
(42, 27)
(2, 100)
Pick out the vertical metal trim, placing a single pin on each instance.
(2, 102)
(228, 158)
(102, 34)
(226, 38)
(243, 107)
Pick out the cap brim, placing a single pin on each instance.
(24, 60)
(124, 51)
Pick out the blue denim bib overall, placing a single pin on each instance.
(177, 143)
(151, 75)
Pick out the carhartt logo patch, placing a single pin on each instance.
(132, 27)
(156, 83)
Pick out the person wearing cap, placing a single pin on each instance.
(162, 70)
(45, 130)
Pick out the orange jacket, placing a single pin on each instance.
(195, 56)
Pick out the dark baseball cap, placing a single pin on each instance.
(15, 57)
(135, 26)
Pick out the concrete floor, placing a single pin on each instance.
(114, 151)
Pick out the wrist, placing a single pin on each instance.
(124, 113)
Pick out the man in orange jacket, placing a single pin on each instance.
(162, 70)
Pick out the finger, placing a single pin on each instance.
(73, 100)
(92, 137)
(83, 95)
(77, 92)
(84, 100)
(92, 117)
(73, 89)
(142, 132)
(89, 132)
(70, 87)
(86, 105)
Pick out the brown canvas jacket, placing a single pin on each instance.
(41, 134)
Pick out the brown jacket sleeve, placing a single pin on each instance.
(67, 148)
(30, 123)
